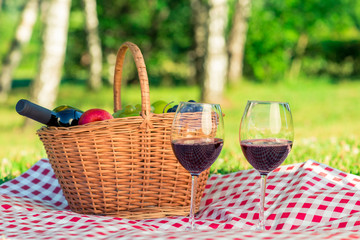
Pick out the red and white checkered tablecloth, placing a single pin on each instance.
(304, 201)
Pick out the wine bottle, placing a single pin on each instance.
(64, 107)
(64, 118)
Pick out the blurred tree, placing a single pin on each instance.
(336, 52)
(237, 39)
(299, 54)
(161, 28)
(353, 10)
(174, 38)
(199, 16)
(22, 36)
(94, 45)
(279, 31)
(216, 61)
(45, 86)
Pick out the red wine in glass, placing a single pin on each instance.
(266, 154)
(197, 154)
(266, 138)
(197, 135)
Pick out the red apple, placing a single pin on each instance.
(93, 115)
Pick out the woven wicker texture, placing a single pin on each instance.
(122, 167)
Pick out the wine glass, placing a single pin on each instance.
(197, 137)
(266, 138)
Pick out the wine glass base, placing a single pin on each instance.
(189, 228)
(260, 228)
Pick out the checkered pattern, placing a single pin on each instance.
(304, 201)
(38, 183)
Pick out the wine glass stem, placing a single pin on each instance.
(261, 225)
(192, 201)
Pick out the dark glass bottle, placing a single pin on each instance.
(64, 118)
(65, 107)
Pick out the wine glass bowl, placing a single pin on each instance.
(197, 136)
(266, 138)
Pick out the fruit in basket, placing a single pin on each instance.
(128, 111)
(157, 107)
(138, 108)
(121, 113)
(189, 109)
(161, 106)
(118, 114)
(93, 115)
(172, 109)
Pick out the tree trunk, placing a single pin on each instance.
(111, 61)
(199, 21)
(237, 40)
(45, 87)
(216, 61)
(13, 57)
(299, 53)
(94, 44)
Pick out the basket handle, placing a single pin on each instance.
(143, 78)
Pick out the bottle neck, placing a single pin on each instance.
(36, 112)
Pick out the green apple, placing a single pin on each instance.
(161, 106)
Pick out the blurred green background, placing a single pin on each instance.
(306, 53)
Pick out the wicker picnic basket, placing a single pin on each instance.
(122, 167)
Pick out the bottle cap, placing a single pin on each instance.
(33, 111)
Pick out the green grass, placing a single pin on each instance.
(326, 119)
